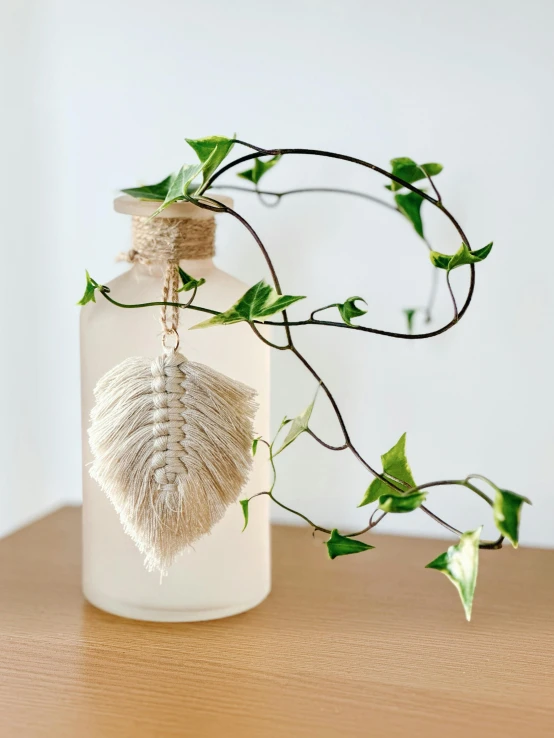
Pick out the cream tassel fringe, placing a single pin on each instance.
(171, 441)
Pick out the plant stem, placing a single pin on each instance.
(265, 340)
(376, 331)
(217, 206)
(431, 182)
(487, 545)
(347, 441)
(307, 190)
(299, 356)
(354, 160)
(341, 157)
(299, 514)
(321, 309)
(463, 483)
(249, 145)
(323, 443)
(105, 290)
(372, 523)
(453, 297)
(289, 323)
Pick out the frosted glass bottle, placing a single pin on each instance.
(227, 571)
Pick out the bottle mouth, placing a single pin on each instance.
(145, 208)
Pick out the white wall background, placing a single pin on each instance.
(100, 95)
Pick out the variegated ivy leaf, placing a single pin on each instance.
(258, 303)
(180, 185)
(506, 509)
(211, 151)
(392, 503)
(507, 513)
(298, 425)
(395, 467)
(338, 545)
(189, 283)
(349, 309)
(244, 505)
(258, 169)
(460, 564)
(410, 207)
(460, 258)
(156, 191)
(90, 289)
(409, 171)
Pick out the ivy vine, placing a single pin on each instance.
(394, 489)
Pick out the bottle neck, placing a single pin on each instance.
(163, 240)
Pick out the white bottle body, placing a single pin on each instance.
(227, 571)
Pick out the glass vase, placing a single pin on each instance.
(227, 571)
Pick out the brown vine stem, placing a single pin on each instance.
(431, 182)
(453, 297)
(215, 205)
(367, 329)
(341, 157)
(368, 165)
(307, 190)
(291, 347)
(348, 443)
(104, 290)
(325, 444)
(314, 190)
(263, 339)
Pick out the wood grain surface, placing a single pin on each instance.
(369, 645)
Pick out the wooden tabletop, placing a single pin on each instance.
(369, 645)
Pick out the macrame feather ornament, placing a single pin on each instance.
(171, 438)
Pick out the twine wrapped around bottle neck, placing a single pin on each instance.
(161, 240)
(167, 241)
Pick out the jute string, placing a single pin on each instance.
(167, 241)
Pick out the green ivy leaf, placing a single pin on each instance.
(298, 425)
(255, 443)
(349, 309)
(395, 504)
(395, 463)
(258, 170)
(179, 186)
(151, 192)
(460, 258)
(507, 513)
(409, 171)
(339, 545)
(211, 151)
(90, 289)
(410, 206)
(506, 509)
(460, 564)
(395, 467)
(277, 303)
(465, 256)
(441, 261)
(258, 303)
(410, 314)
(244, 505)
(189, 283)
(376, 489)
